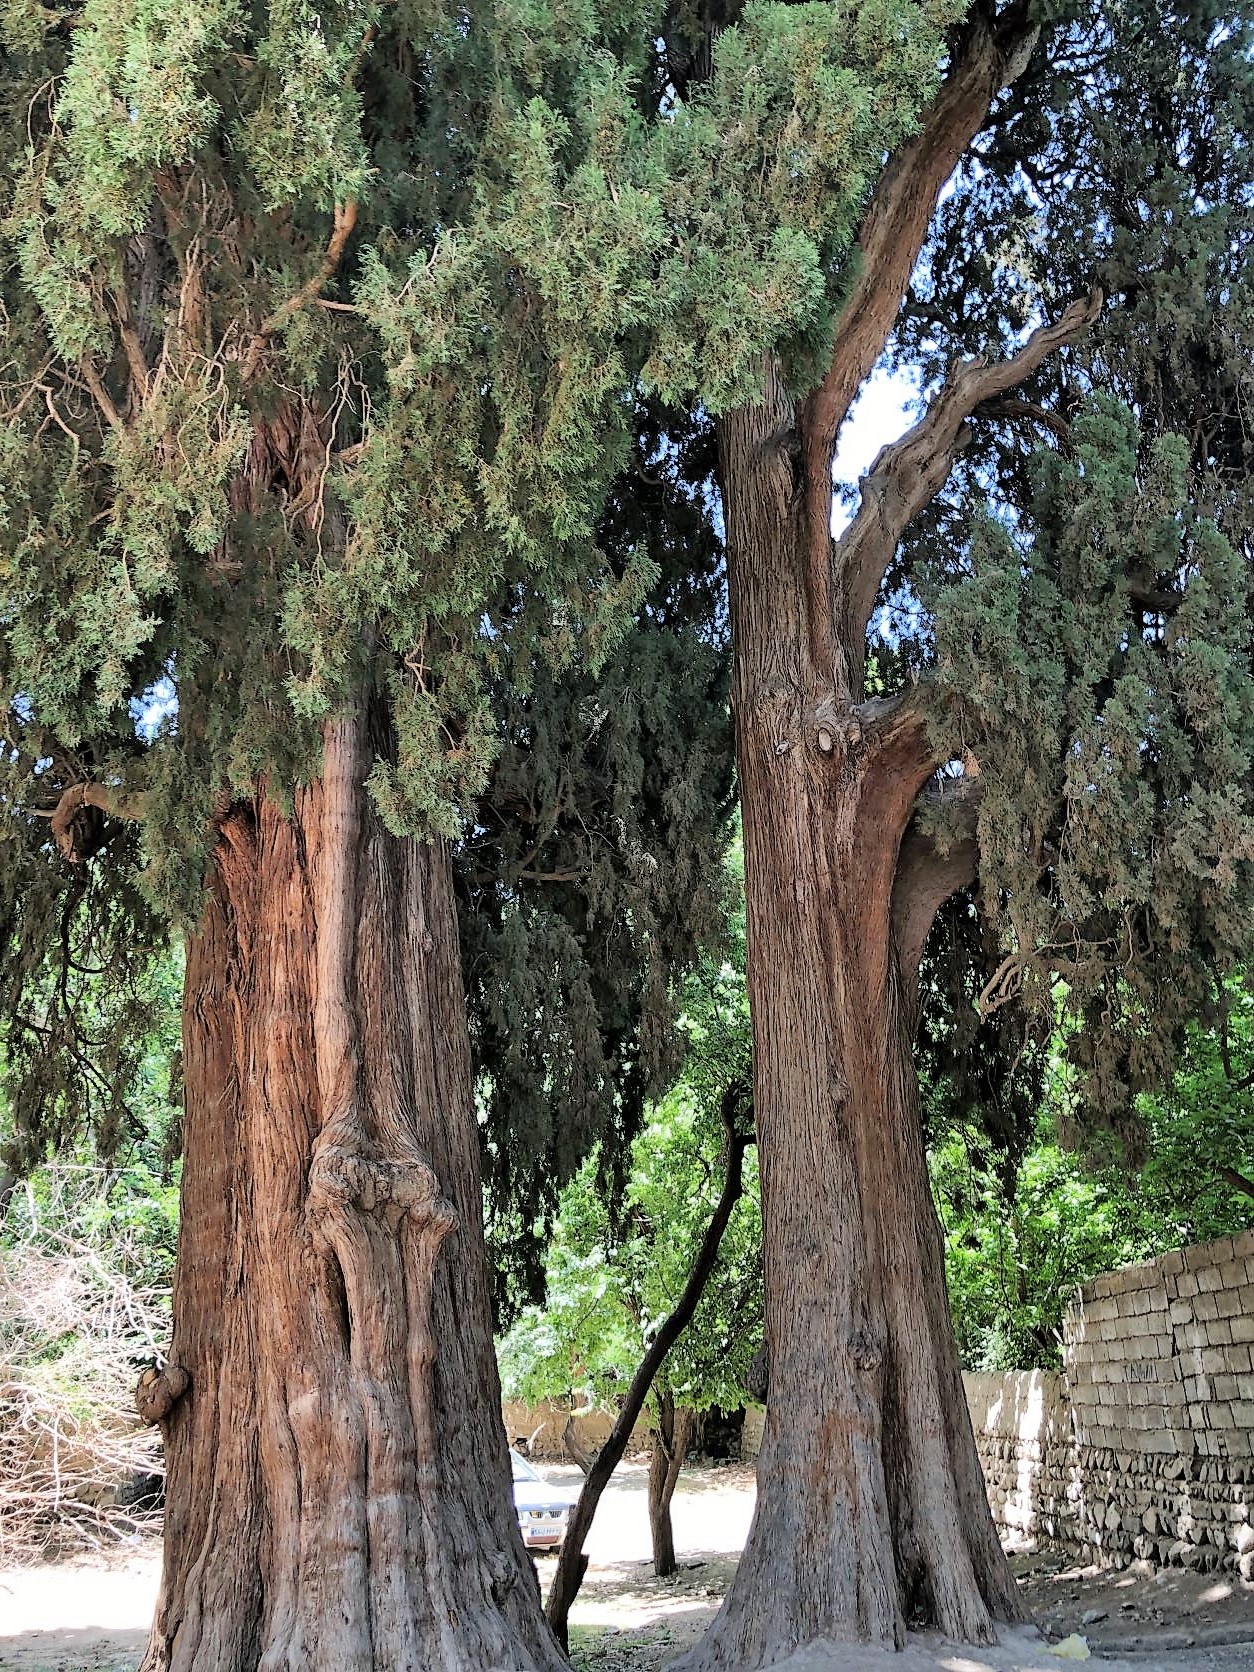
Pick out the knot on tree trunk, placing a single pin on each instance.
(394, 1189)
(503, 1575)
(837, 725)
(159, 1391)
(867, 1353)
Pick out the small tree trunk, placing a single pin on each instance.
(338, 1488)
(871, 1506)
(575, 1448)
(572, 1564)
(671, 1436)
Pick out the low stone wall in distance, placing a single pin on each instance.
(543, 1426)
(1144, 1445)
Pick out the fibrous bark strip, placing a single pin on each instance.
(338, 1479)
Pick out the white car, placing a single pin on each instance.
(543, 1510)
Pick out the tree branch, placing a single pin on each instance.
(70, 828)
(907, 475)
(928, 875)
(1238, 1181)
(990, 53)
(103, 399)
(572, 1563)
(310, 291)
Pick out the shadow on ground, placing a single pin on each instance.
(89, 1650)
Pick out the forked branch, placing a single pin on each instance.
(991, 53)
(907, 475)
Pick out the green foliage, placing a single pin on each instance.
(335, 339)
(1020, 1236)
(614, 1272)
(1115, 827)
(1085, 581)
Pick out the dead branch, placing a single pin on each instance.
(77, 1469)
(1003, 985)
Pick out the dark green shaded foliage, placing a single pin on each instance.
(591, 874)
(1096, 657)
(615, 1269)
(331, 334)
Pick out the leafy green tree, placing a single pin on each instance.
(1023, 1228)
(621, 1275)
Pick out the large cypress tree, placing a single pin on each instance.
(1024, 667)
(330, 331)
(314, 612)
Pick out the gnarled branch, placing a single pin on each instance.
(908, 474)
(70, 829)
(990, 53)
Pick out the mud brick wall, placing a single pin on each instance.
(1144, 1446)
(543, 1425)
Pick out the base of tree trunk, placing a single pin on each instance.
(338, 1495)
(671, 1437)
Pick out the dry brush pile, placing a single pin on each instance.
(84, 1304)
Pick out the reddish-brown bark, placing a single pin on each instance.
(339, 1494)
(871, 1507)
(871, 1504)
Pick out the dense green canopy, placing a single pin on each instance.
(337, 342)
(1087, 572)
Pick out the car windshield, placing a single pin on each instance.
(522, 1469)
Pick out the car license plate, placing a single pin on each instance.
(546, 1526)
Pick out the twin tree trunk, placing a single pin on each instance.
(338, 1488)
(871, 1509)
(668, 1446)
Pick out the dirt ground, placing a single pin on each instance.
(94, 1614)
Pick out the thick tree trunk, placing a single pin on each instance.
(672, 1434)
(871, 1506)
(338, 1495)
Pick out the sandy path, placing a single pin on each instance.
(76, 1616)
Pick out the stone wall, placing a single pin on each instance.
(543, 1426)
(1144, 1446)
